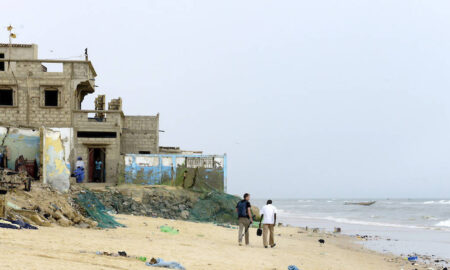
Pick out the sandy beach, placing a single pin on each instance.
(197, 246)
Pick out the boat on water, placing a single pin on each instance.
(360, 203)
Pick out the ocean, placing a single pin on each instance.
(402, 226)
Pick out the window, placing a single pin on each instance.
(6, 97)
(145, 152)
(96, 134)
(2, 64)
(203, 162)
(51, 98)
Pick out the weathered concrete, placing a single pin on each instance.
(20, 141)
(140, 134)
(55, 171)
(32, 105)
(203, 172)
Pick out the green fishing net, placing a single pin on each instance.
(215, 207)
(96, 210)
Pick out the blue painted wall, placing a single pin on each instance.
(18, 142)
(155, 169)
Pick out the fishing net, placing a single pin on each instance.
(216, 207)
(96, 210)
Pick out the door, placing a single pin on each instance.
(91, 162)
(97, 165)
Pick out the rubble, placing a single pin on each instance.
(11, 179)
(44, 206)
(152, 202)
(171, 203)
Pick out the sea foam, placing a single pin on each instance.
(438, 202)
(444, 223)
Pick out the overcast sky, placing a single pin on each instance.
(307, 98)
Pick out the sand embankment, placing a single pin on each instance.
(197, 246)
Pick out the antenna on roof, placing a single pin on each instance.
(86, 54)
(11, 36)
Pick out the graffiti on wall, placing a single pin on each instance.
(198, 172)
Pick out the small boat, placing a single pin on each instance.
(360, 203)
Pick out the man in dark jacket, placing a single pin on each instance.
(245, 218)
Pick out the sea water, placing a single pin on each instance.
(404, 226)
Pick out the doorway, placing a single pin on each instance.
(97, 165)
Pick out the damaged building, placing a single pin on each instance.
(43, 93)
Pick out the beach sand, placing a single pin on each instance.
(197, 246)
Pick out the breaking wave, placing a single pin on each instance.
(444, 223)
(371, 223)
(438, 202)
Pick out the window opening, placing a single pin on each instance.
(51, 98)
(6, 97)
(2, 64)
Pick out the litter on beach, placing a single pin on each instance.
(163, 264)
(169, 230)
(16, 224)
(226, 226)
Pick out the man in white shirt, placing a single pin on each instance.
(268, 219)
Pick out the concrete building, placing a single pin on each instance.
(45, 96)
(32, 96)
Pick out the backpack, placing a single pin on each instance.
(242, 209)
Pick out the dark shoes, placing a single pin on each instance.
(272, 246)
(265, 246)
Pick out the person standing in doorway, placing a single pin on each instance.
(269, 219)
(98, 170)
(245, 218)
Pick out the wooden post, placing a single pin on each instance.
(2, 205)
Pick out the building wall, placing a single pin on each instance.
(28, 81)
(19, 141)
(209, 171)
(55, 171)
(19, 51)
(45, 146)
(112, 155)
(140, 133)
(29, 77)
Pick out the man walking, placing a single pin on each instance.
(269, 219)
(245, 218)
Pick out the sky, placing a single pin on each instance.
(308, 99)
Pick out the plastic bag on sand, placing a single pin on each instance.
(161, 263)
(169, 230)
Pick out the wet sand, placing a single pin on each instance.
(197, 246)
